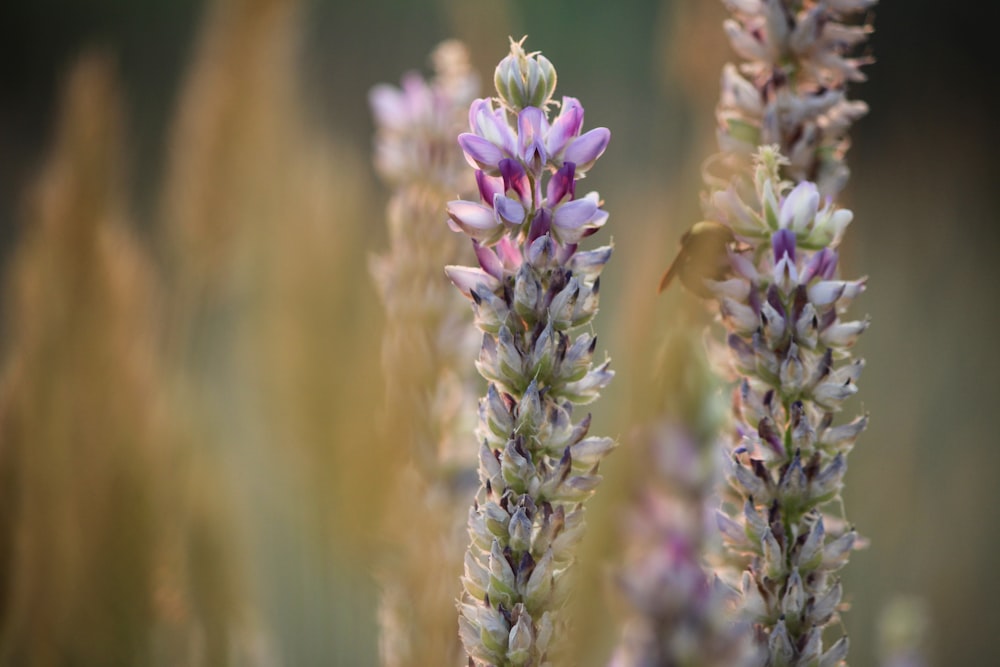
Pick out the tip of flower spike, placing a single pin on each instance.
(524, 79)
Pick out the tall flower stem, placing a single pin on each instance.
(783, 122)
(791, 91)
(531, 294)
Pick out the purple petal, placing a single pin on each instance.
(509, 210)
(566, 252)
(479, 152)
(783, 243)
(540, 225)
(488, 260)
(585, 149)
(566, 126)
(491, 124)
(561, 184)
(532, 127)
(574, 214)
(489, 186)
(823, 265)
(515, 178)
(466, 279)
(541, 250)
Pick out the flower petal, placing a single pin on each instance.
(561, 184)
(585, 149)
(510, 210)
(566, 126)
(480, 153)
(489, 186)
(574, 214)
(466, 279)
(488, 259)
(799, 207)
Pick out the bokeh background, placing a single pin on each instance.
(190, 467)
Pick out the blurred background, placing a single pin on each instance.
(190, 470)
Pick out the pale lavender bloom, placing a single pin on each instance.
(416, 123)
(792, 89)
(680, 614)
(532, 291)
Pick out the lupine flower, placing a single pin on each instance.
(417, 123)
(789, 347)
(426, 344)
(680, 613)
(792, 89)
(531, 290)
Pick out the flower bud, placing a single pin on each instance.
(524, 79)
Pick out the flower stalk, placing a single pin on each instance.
(791, 91)
(531, 294)
(789, 348)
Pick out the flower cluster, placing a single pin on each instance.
(416, 123)
(792, 90)
(782, 306)
(680, 614)
(533, 288)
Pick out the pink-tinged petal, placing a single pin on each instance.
(477, 111)
(585, 149)
(488, 260)
(509, 210)
(515, 178)
(799, 207)
(491, 124)
(574, 214)
(566, 126)
(419, 96)
(477, 221)
(509, 253)
(561, 184)
(466, 279)
(489, 186)
(480, 153)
